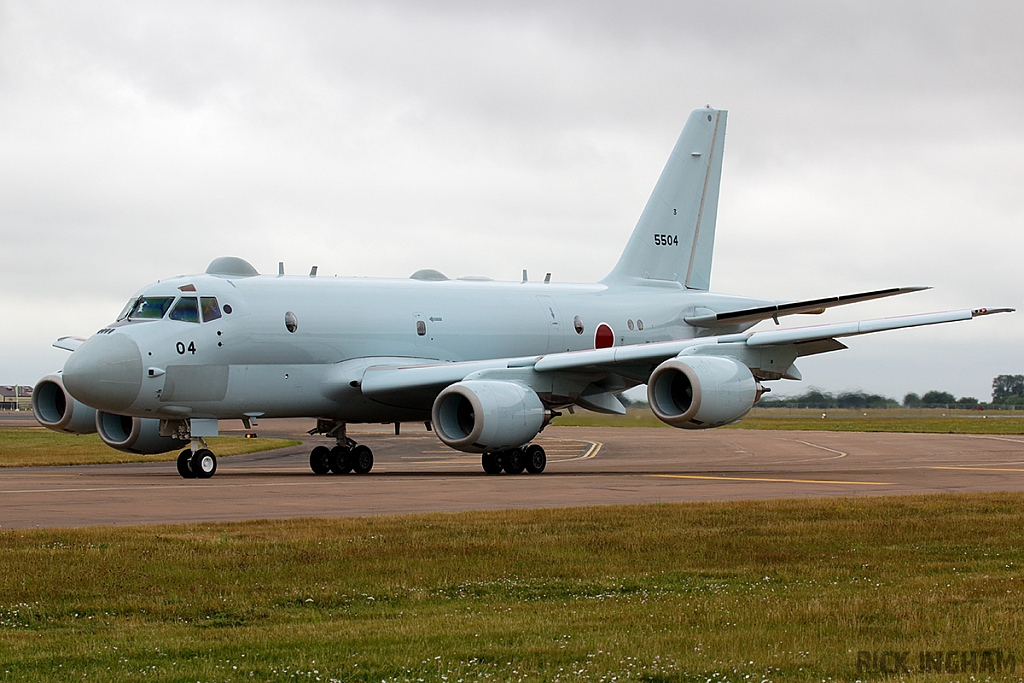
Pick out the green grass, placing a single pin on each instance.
(836, 421)
(35, 446)
(742, 591)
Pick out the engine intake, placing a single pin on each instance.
(700, 392)
(55, 408)
(481, 416)
(139, 435)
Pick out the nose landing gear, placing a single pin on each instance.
(198, 464)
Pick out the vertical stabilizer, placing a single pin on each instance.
(675, 236)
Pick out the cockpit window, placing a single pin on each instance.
(126, 310)
(150, 307)
(211, 311)
(186, 310)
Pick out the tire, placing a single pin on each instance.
(514, 461)
(491, 463)
(339, 460)
(320, 460)
(203, 464)
(185, 464)
(361, 459)
(536, 459)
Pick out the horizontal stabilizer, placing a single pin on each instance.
(751, 315)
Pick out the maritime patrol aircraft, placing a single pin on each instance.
(485, 364)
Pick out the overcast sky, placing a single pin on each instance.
(869, 145)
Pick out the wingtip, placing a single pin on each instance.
(989, 311)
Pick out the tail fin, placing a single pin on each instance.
(675, 236)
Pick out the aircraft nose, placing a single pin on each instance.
(105, 372)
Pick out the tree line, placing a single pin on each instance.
(1007, 390)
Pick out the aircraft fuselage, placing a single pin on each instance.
(291, 346)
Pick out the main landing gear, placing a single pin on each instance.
(347, 456)
(341, 459)
(198, 464)
(532, 459)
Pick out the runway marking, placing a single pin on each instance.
(776, 481)
(980, 469)
(554, 452)
(995, 438)
(824, 448)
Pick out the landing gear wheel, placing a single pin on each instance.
(203, 464)
(536, 459)
(184, 466)
(320, 460)
(514, 461)
(339, 461)
(361, 459)
(492, 463)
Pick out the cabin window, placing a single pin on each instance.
(150, 307)
(186, 310)
(291, 322)
(639, 324)
(577, 322)
(211, 310)
(629, 324)
(421, 328)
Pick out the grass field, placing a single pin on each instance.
(754, 591)
(27, 446)
(835, 421)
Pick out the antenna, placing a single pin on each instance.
(280, 267)
(547, 279)
(524, 275)
(312, 271)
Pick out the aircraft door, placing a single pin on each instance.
(422, 332)
(553, 322)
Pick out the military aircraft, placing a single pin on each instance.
(485, 364)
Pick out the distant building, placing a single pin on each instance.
(15, 397)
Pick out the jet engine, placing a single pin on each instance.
(481, 416)
(135, 434)
(55, 408)
(699, 392)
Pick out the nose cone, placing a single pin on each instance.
(105, 372)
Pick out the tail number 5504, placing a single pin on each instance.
(666, 241)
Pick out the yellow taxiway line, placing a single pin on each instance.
(776, 481)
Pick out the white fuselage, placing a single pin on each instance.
(249, 363)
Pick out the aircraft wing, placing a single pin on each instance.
(385, 381)
(774, 311)
(69, 343)
(799, 335)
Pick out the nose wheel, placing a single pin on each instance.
(199, 464)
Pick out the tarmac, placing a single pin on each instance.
(415, 473)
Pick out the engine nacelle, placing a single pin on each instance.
(699, 392)
(55, 409)
(139, 435)
(481, 416)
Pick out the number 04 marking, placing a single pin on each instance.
(666, 240)
(181, 348)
